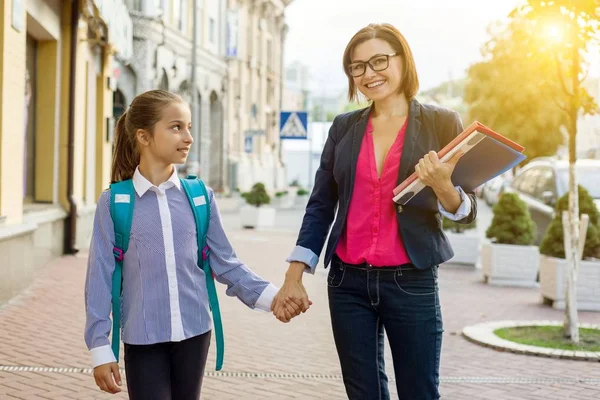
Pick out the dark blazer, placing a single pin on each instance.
(429, 128)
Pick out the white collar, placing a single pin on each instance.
(142, 185)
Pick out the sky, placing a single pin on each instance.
(445, 36)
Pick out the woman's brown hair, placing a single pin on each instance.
(387, 32)
(143, 113)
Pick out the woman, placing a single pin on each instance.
(384, 258)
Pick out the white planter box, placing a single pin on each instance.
(301, 201)
(510, 265)
(257, 217)
(553, 282)
(285, 201)
(465, 246)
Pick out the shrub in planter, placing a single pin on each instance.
(465, 247)
(512, 223)
(257, 195)
(455, 227)
(302, 192)
(554, 268)
(511, 259)
(553, 243)
(281, 193)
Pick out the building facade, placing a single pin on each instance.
(55, 110)
(255, 42)
(163, 43)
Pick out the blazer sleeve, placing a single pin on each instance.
(320, 210)
(451, 129)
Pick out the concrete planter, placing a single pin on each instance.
(465, 246)
(510, 265)
(257, 217)
(301, 201)
(553, 283)
(286, 201)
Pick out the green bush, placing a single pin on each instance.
(512, 223)
(257, 195)
(302, 192)
(553, 243)
(281, 193)
(455, 227)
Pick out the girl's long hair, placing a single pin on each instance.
(143, 113)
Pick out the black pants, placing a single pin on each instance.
(403, 302)
(166, 371)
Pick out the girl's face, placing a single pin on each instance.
(172, 137)
(376, 69)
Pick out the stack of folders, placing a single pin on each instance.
(487, 154)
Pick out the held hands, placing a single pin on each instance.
(292, 299)
(108, 378)
(435, 173)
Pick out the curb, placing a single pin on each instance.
(483, 334)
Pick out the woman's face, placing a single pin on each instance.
(386, 79)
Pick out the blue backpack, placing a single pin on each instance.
(122, 200)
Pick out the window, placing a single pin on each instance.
(184, 16)
(29, 128)
(526, 182)
(177, 13)
(545, 182)
(211, 30)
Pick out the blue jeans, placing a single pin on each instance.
(364, 301)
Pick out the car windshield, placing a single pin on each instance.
(588, 177)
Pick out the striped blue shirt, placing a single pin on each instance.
(164, 296)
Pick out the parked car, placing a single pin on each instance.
(493, 189)
(544, 180)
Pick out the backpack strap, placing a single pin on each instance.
(198, 197)
(122, 198)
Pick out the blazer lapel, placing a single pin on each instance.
(357, 131)
(413, 130)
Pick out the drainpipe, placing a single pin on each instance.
(71, 221)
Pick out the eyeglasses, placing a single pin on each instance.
(378, 62)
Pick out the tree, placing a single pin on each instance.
(512, 91)
(570, 27)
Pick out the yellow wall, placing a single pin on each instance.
(46, 119)
(12, 113)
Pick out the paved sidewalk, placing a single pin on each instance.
(266, 359)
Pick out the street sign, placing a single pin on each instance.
(293, 125)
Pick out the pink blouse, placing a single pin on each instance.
(371, 234)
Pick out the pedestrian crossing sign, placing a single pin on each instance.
(293, 125)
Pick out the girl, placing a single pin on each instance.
(165, 313)
(383, 258)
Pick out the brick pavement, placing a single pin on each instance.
(43, 327)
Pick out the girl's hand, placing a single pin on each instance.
(108, 378)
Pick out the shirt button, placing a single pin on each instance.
(173, 285)
(176, 314)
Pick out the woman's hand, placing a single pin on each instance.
(434, 173)
(292, 299)
(108, 378)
